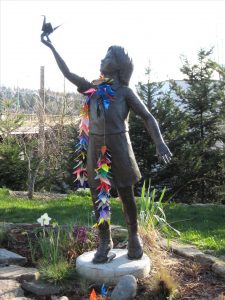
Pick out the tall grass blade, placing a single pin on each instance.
(153, 201)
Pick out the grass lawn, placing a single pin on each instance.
(71, 210)
(202, 226)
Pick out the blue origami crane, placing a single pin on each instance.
(104, 91)
(103, 290)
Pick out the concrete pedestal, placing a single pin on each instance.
(110, 273)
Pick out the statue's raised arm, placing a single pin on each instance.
(80, 82)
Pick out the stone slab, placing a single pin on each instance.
(184, 250)
(40, 288)
(205, 259)
(8, 257)
(111, 273)
(18, 273)
(10, 289)
(219, 268)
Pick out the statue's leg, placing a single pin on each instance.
(105, 239)
(135, 247)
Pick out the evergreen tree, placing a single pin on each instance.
(12, 167)
(139, 136)
(172, 124)
(8, 121)
(203, 153)
(150, 91)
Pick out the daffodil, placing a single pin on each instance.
(44, 219)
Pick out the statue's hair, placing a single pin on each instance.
(124, 62)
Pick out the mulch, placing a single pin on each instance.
(194, 280)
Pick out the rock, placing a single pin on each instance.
(40, 288)
(18, 273)
(59, 298)
(119, 233)
(10, 289)
(205, 260)
(209, 251)
(5, 226)
(4, 265)
(20, 226)
(188, 251)
(122, 245)
(219, 268)
(111, 273)
(8, 257)
(222, 257)
(125, 289)
(21, 298)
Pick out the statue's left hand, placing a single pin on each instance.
(163, 153)
(45, 41)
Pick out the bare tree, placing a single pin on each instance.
(46, 140)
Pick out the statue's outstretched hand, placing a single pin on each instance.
(163, 153)
(46, 41)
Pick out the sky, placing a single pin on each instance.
(158, 32)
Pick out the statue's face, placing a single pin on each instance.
(108, 64)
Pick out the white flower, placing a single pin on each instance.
(44, 219)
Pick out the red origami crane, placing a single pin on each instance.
(93, 295)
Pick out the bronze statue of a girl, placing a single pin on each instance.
(109, 127)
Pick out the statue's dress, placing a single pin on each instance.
(110, 128)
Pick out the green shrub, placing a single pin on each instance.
(55, 271)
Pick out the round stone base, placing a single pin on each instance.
(110, 273)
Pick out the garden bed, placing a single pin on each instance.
(189, 279)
